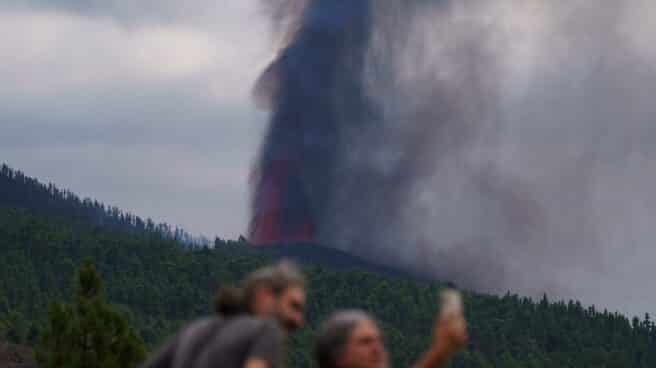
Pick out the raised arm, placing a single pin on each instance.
(449, 336)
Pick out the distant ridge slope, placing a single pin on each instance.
(18, 190)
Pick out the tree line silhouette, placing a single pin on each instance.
(20, 191)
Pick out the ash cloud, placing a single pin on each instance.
(504, 145)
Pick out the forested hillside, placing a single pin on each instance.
(161, 285)
(20, 191)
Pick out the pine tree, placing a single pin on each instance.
(89, 333)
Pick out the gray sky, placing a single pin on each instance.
(145, 106)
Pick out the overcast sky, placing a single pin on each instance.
(143, 105)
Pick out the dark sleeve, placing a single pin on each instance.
(163, 358)
(269, 345)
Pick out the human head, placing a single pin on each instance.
(350, 339)
(274, 291)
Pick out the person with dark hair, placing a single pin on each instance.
(352, 339)
(249, 329)
(229, 301)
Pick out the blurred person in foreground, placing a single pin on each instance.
(352, 339)
(249, 329)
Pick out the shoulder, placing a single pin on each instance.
(249, 325)
(270, 324)
(252, 321)
(169, 354)
(202, 324)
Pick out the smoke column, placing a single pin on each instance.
(503, 145)
(314, 89)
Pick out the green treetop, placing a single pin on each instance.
(88, 333)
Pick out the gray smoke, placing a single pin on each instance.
(514, 146)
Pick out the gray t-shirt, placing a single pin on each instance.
(226, 343)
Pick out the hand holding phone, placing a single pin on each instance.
(451, 304)
(450, 327)
(450, 331)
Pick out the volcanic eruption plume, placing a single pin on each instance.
(351, 134)
(314, 88)
(504, 144)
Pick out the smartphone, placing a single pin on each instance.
(451, 303)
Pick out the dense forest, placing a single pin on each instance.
(159, 285)
(20, 191)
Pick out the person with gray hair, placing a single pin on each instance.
(250, 328)
(352, 339)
